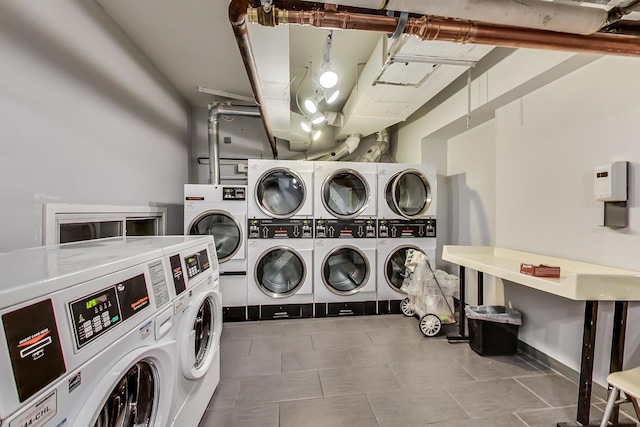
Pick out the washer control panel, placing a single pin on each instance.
(233, 193)
(345, 228)
(280, 228)
(401, 228)
(196, 263)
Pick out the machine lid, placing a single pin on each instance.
(394, 266)
(280, 193)
(345, 193)
(345, 270)
(203, 329)
(225, 229)
(280, 272)
(132, 400)
(408, 194)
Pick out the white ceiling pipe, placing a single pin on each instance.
(538, 14)
(376, 151)
(344, 149)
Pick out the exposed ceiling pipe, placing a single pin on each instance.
(538, 14)
(379, 148)
(454, 30)
(237, 18)
(215, 111)
(343, 150)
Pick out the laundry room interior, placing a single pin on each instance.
(310, 213)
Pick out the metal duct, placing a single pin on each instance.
(538, 14)
(457, 31)
(344, 149)
(376, 151)
(237, 18)
(215, 111)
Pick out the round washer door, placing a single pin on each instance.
(345, 270)
(280, 193)
(280, 272)
(394, 266)
(225, 230)
(201, 335)
(132, 400)
(345, 193)
(408, 194)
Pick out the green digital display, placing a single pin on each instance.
(92, 303)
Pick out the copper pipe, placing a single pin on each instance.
(237, 18)
(456, 30)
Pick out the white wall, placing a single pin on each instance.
(546, 148)
(84, 118)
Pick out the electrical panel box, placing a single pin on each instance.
(610, 182)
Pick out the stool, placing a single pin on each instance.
(627, 382)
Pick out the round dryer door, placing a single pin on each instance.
(408, 194)
(345, 194)
(280, 272)
(225, 230)
(345, 270)
(394, 266)
(131, 402)
(280, 193)
(201, 337)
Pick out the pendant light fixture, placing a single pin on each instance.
(327, 77)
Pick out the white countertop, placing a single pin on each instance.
(578, 280)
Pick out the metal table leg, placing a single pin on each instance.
(617, 346)
(462, 336)
(480, 288)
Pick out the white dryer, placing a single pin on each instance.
(392, 254)
(281, 284)
(406, 191)
(87, 336)
(280, 189)
(221, 211)
(344, 276)
(198, 307)
(345, 190)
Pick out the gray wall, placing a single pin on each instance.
(85, 118)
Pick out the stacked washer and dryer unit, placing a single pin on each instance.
(221, 211)
(406, 220)
(280, 239)
(345, 238)
(92, 333)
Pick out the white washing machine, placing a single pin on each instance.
(345, 190)
(198, 307)
(221, 211)
(344, 276)
(406, 191)
(87, 336)
(392, 254)
(281, 283)
(280, 189)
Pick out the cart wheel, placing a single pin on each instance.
(430, 325)
(405, 307)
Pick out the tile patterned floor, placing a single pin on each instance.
(377, 371)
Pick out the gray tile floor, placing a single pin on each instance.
(377, 371)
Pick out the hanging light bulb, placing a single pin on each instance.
(316, 135)
(331, 95)
(318, 118)
(327, 77)
(305, 127)
(311, 105)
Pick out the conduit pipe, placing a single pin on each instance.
(454, 30)
(237, 18)
(343, 150)
(215, 111)
(538, 14)
(376, 151)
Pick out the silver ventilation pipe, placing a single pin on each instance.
(215, 111)
(376, 151)
(344, 149)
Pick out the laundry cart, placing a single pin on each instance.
(429, 294)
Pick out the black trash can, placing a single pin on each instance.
(493, 329)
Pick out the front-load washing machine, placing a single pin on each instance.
(345, 274)
(392, 254)
(198, 307)
(345, 190)
(282, 278)
(87, 336)
(221, 211)
(280, 189)
(406, 191)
